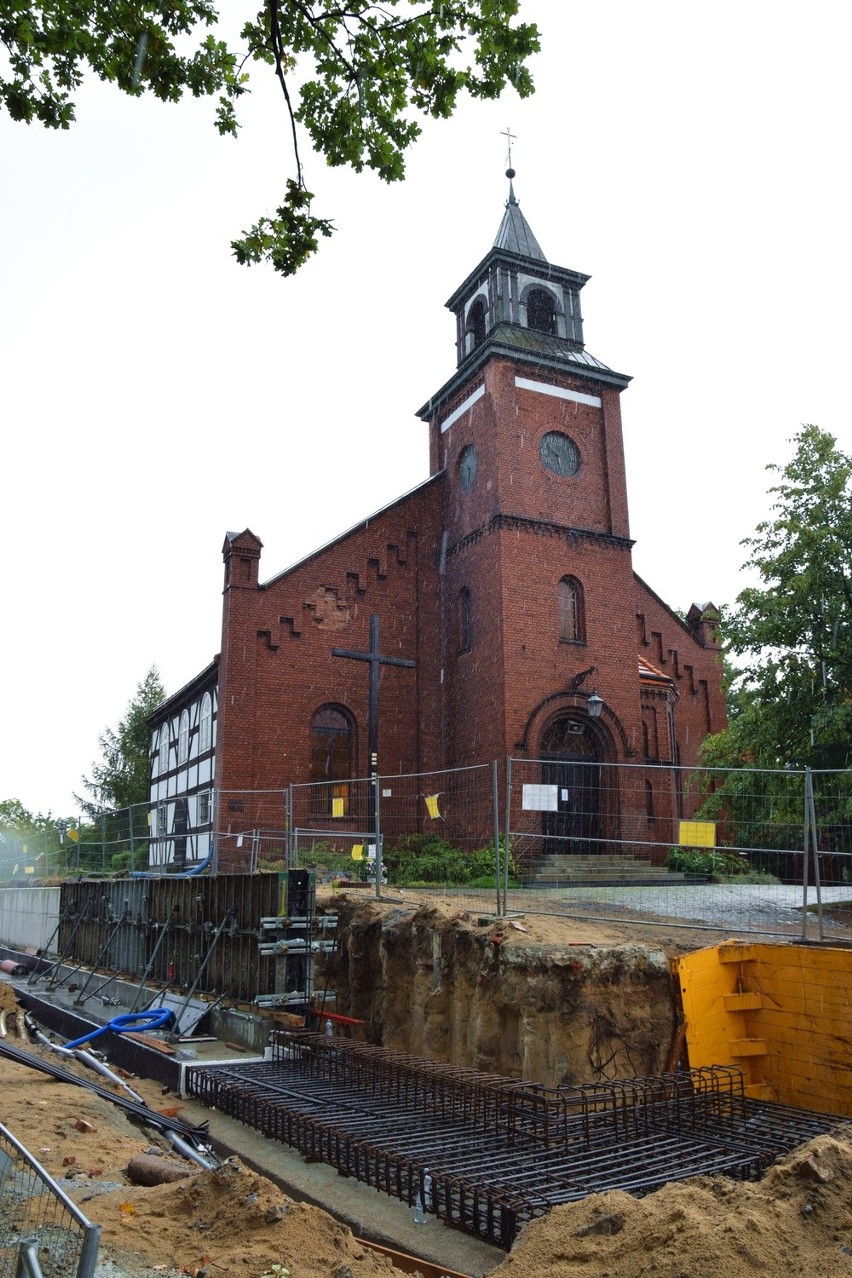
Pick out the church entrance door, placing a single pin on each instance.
(570, 761)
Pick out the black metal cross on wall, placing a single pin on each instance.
(376, 660)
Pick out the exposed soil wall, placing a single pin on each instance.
(449, 988)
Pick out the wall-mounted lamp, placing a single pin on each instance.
(594, 704)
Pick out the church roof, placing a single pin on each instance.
(515, 235)
(534, 342)
(650, 674)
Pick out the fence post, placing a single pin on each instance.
(291, 824)
(103, 840)
(507, 831)
(130, 831)
(377, 829)
(812, 841)
(497, 862)
(214, 832)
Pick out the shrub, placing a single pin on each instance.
(429, 858)
(715, 863)
(121, 861)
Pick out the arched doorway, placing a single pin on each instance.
(570, 761)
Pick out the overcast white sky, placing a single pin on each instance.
(693, 159)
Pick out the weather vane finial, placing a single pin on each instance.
(510, 138)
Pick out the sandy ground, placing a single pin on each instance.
(798, 1219)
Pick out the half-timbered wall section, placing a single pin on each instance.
(183, 748)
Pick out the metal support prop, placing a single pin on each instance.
(35, 975)
(186, 1002)
(82, 996)
(69, 950)
(149, 966)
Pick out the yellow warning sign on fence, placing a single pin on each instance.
(697, 834)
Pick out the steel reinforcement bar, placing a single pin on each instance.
(486, 1153)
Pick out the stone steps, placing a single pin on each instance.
(602, 871)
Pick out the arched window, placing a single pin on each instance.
(163, 756)
(572, 619)
(331, 761)
(465, 620)
(476, 324)
(541, 311)
(205, 723)
(183, 737)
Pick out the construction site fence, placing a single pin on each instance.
(746, 850)
(43, 1234)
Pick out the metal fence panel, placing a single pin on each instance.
(832, 844)
(250, 830)
(36, 1215)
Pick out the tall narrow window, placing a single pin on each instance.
(465, 620)
(183, 737)
(541, 311)
(163, 756)
(649, 801)
(331, 761)
(205, 723)
(476, 324)
(572, 621)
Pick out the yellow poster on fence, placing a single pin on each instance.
(358, 852)
(432, 805)
(338, 807)
(697, 834)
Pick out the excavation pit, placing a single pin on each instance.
(487, 1154)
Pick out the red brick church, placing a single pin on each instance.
(491, 612)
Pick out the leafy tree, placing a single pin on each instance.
(790, 701)
(351, 76)
(121, 777)
(16, 819)
(29, 838)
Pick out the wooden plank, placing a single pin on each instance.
(742, 1002)
(158, 1043)
(733, 952)
(748, 1047)
(411, 1264)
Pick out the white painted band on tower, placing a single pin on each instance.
(545, 388)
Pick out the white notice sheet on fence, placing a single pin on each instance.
(540, 798)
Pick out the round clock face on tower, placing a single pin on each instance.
(559, 453)
(467, 467)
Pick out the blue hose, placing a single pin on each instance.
(131, 1020)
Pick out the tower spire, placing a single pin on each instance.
(515, 234)
(510, 172)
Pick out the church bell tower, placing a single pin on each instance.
(536, 563)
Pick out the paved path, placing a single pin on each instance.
(767, 909)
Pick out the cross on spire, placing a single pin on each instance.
(510, 138)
